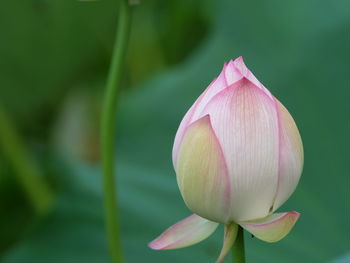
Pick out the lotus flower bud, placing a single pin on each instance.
(238, 157)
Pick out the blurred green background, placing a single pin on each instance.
(54, 57)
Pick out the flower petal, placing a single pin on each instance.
(193, 113)
(244, 119)
(182, 128)
(290, 154)
(229, 238)
(202, 173)
(236, 70)
(187, 232)
(214, 88)
(273, 227)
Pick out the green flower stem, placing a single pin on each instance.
(108, 128)
(27, 172)
(238, 255)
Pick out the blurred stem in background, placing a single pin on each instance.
(238, 254)
(108, 127)
(28, 173)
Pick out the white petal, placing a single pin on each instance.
(202, 173)
(193, 113)
(233, 72)
(187, 232)
(182, 128)
(244, 119)
(291, 156)
(236, 70)
(214, 88)
(273, 227)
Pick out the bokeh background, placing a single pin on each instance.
(54, 57)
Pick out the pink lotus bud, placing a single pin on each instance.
(238, 154)
(238, 157)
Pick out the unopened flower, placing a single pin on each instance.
(238, 157)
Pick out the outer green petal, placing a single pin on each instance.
(273, 227)
(187, 232)
(202, 173)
